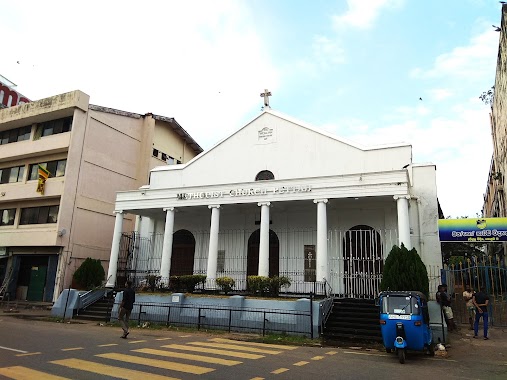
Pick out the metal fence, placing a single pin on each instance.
(355, 259)
(224, 318)
(487, 274)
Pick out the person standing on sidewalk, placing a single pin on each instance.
(468, 295)
(481, 302)
(126, 306)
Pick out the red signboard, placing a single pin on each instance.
(10, 97)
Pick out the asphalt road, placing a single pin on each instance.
(46, 350)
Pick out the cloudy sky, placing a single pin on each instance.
(356, 68)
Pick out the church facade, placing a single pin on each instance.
(280, 198)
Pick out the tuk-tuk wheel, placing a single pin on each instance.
(388, 350)
(401, 355)
(431, 349)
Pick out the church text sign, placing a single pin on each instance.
(243, 192)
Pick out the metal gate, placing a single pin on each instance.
(487, 274)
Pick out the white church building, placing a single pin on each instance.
(280, 198)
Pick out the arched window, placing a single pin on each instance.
(264, 175)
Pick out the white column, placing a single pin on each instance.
(115, 250)
(264, 240)
(321, 261)
(211, 273)
(403, 221)
(167, 245)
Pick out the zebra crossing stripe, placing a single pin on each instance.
(236, 347)
(181, 355)
(109, 370)
(234, 354)
(180, 367)
(23, 373)
(256, 344)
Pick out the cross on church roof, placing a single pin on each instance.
(266, 94)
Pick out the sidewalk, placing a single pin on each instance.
(463, 346)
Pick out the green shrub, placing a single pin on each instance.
(186, 282)
(275, 283)
(404, 270)
(225, 284)
(152, 280)
(90, 274)
(258, 284)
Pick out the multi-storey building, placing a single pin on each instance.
(90, 152)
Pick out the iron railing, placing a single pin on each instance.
(355, 258)
(225, 318)
(487, 274)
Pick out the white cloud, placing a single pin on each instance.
(439, 94)
(474, 61)
(205, 68)
(362, 14)
(327, 51)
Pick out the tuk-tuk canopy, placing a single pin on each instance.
(404, 293)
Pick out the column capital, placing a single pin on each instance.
(213, 206)
(168, 209)
(264, 204)
(396, 197)
(323, 200)
(118, 212)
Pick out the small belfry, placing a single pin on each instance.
(266, 94)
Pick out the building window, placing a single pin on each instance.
(178, 162)
(11, 175)
(264, 175)
(55, 168)
(7, 216)
(170, 160)
(155, 153)
(15, 135)
(39, 215)
(55, 127)
(221, 260)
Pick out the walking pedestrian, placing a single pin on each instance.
(481, 302)
(126, 306)
(468, 295)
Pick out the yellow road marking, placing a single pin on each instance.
(318, 358)
(331, 353)
(235, 347)
(137, 341)
(23, 373)
(163, 338)
(299, 364)
(73, 349)
(257, 344)
(363, 353)
(234, 354)
(187, 368)
(280, 370)
(29, 354)
(109, 370)
(257, 378)
(181, 355)
(108, 345)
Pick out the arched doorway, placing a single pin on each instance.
(182, 259)
(363, 262)
(252, 267)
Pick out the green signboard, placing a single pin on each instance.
(480, 230)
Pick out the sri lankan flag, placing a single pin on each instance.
(43, 176)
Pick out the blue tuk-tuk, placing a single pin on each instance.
(405, 322)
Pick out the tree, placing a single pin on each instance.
(404, 270)
(90, 274)
(488, 97)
